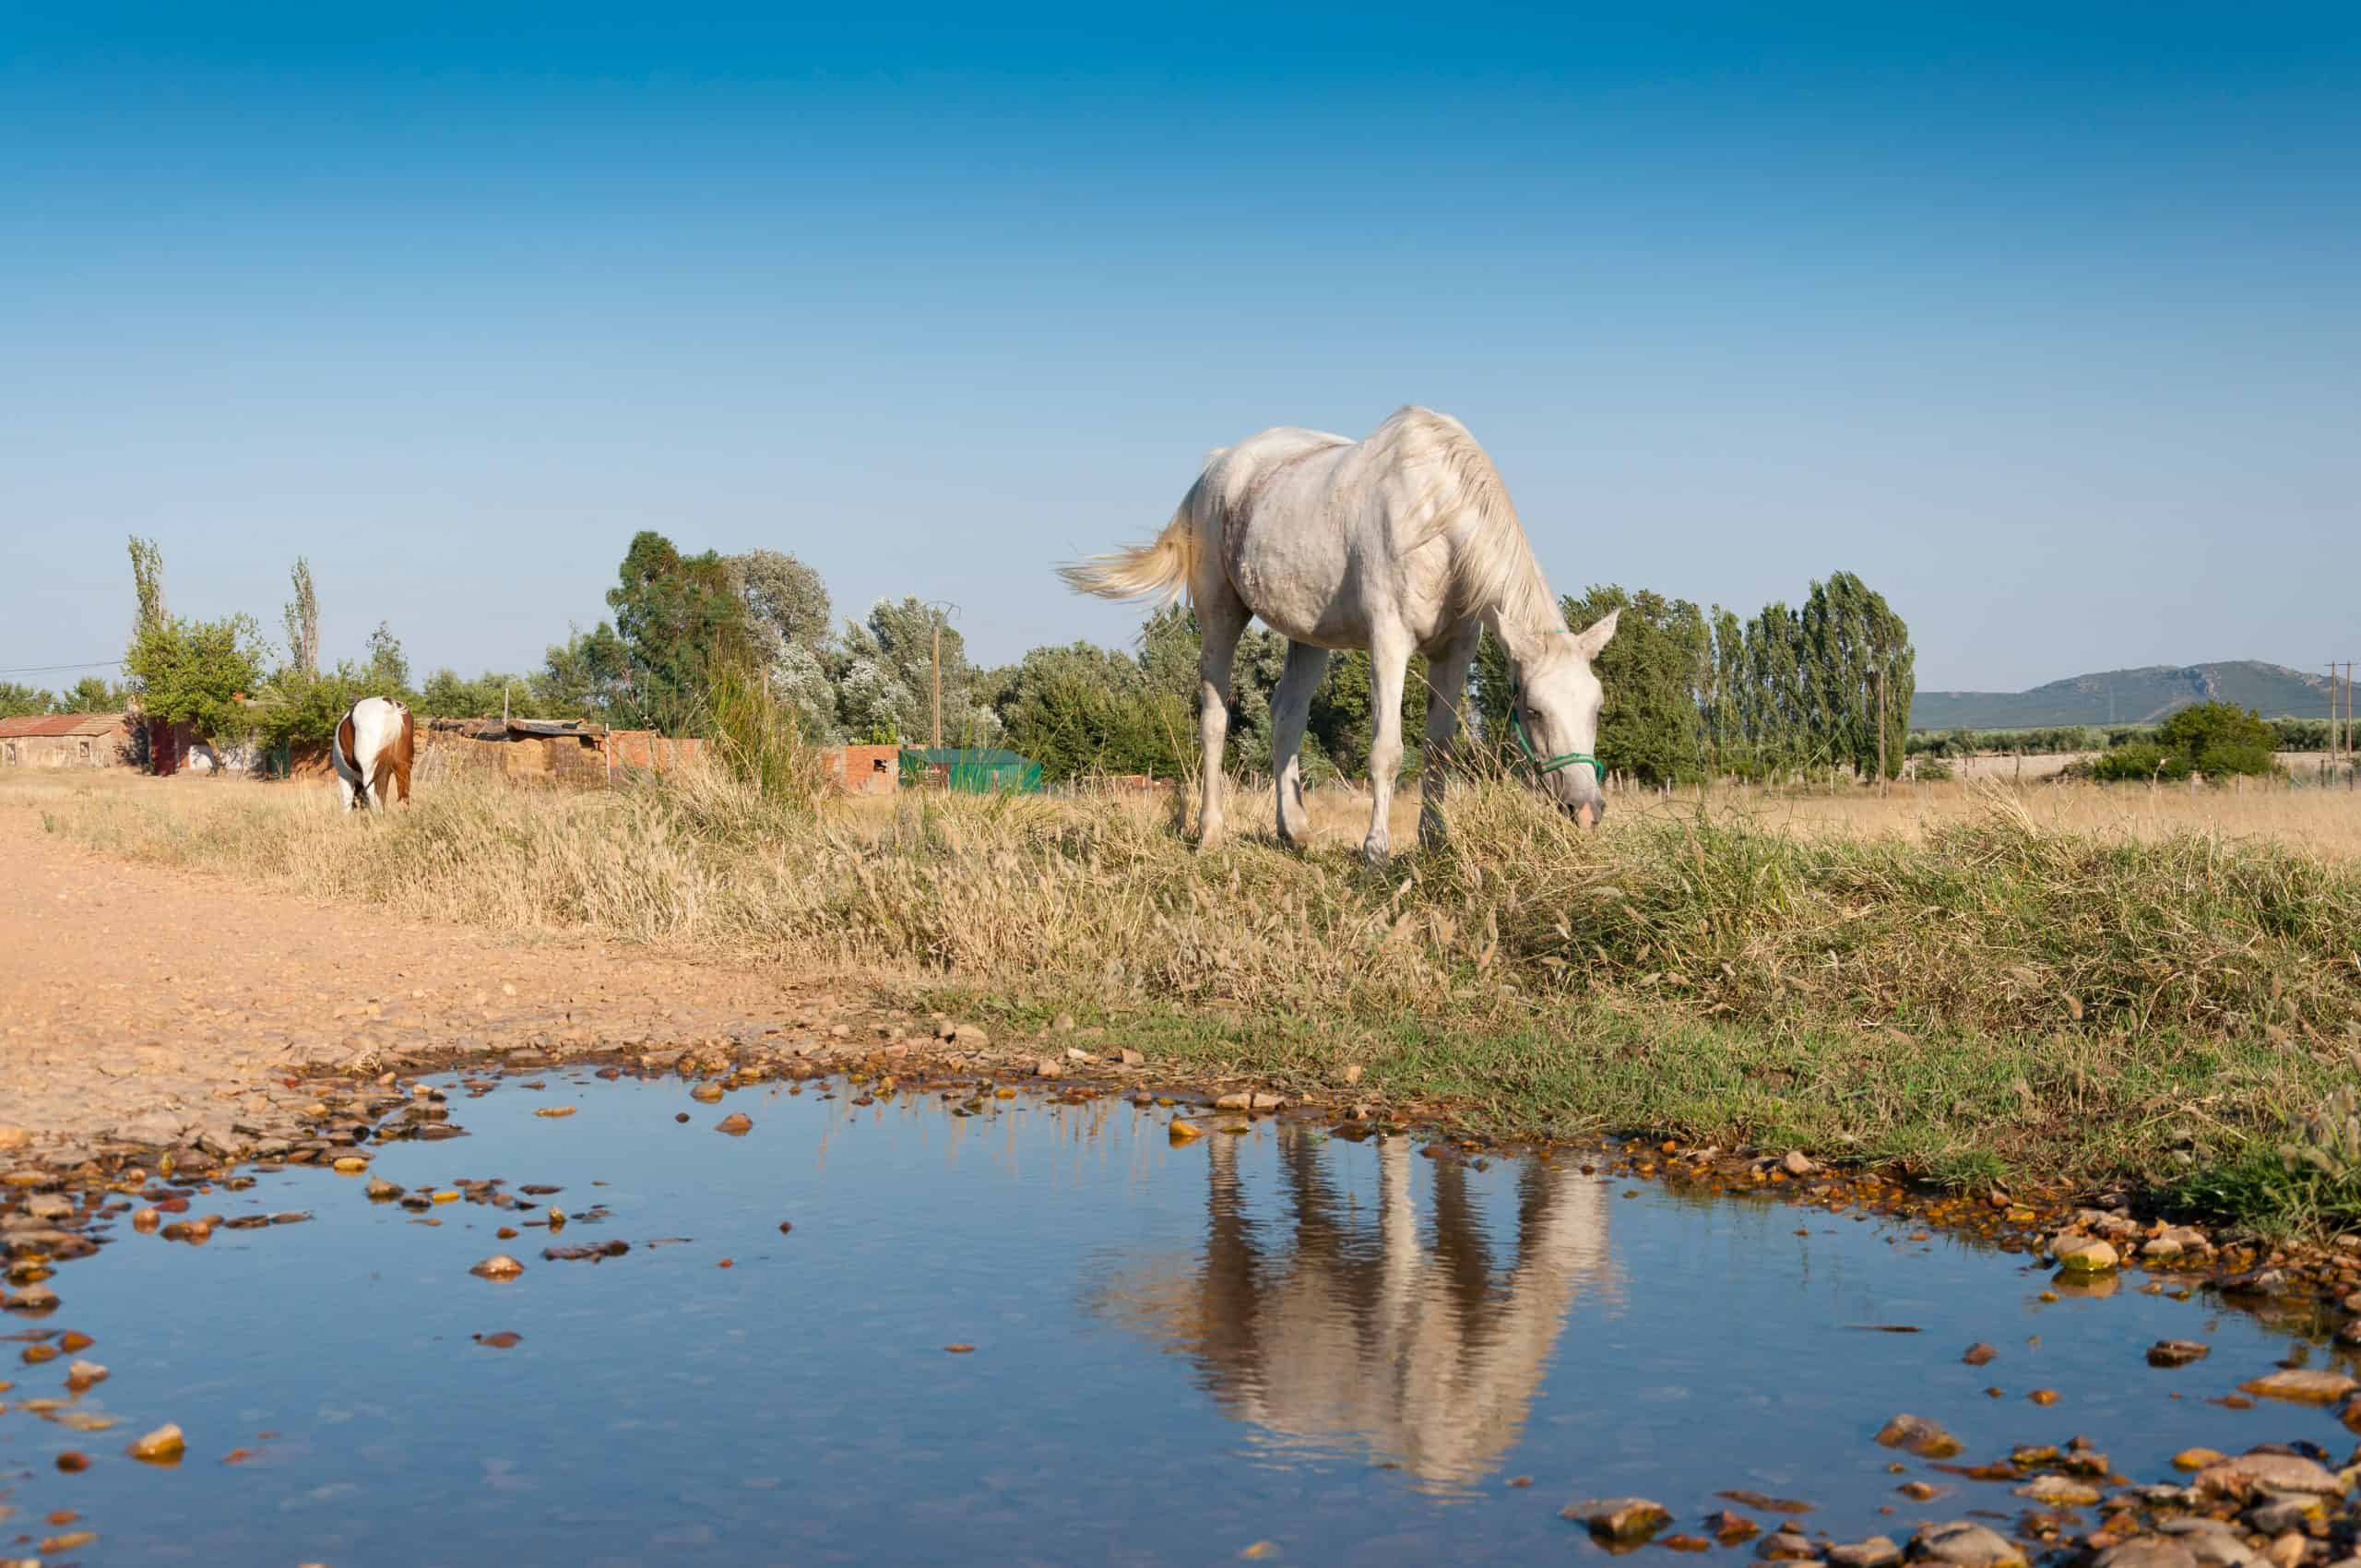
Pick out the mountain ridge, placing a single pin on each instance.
(2144, 695)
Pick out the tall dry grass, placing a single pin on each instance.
(1989, 915)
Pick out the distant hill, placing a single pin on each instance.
(2128, 696)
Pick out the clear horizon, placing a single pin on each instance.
(2040, 322)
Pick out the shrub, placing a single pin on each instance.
(1932, 769)
(2219, 738)
(2136, 762)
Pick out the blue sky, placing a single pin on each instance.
(2042, 319)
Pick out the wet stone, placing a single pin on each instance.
(736, 1124)
(1619, 1518)
(1785, 1545)
(2177, 1352)
(1918, 1436)
(2147, 1552)
(1878, 1552)
(2301, 1386)
(1963, 1544)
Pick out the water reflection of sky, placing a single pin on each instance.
(1335, 1348)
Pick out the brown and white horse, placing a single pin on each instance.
(374, 741)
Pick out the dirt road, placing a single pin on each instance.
(152, 1003)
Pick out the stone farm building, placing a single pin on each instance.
(561, 752)
(65, 740)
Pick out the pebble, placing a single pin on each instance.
(2059, 1492)
(85, 1374)
(500, 1266)
(1979, 1354)
(736, 1124)
(1181, 1129)
(1878, 1552)
(2084, 1256)
(1785, 1545)
(2195, 1458)
(705, 1093)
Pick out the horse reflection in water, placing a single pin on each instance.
(1325, 1329)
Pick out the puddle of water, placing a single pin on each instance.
(1179, 1351)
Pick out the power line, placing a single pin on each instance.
(54, 668)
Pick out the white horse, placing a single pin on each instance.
(1402, 543)
(373, 745)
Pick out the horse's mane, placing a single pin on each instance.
(1494, 566)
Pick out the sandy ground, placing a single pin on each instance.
(132, 996)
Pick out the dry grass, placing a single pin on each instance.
(1950, 976)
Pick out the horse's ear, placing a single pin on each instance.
(1588, 643)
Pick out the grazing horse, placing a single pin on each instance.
(374, 742)
(1403, 543)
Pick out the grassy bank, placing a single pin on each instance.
(1988, 994)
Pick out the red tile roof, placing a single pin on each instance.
(57, 724)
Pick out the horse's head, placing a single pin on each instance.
(1554, 705)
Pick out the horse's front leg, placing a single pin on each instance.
(1447, 677)
(1389, 665)
(1221, 625)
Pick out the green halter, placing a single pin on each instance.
(1540, 764)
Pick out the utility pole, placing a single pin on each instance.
(941, 608)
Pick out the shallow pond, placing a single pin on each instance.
(1275, 1344)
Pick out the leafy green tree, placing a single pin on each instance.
(194, 671)
(680, 618)
(887, 673)
(17, 700)
(1080, 710)
(1850, 636)
(92, 693)
(2219, 739)
(446, 694)
(784, 601)
(1653, 727)
(300, 619)
(586, 676)
(1168, 651)
(388, 666)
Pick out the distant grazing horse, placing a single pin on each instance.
(1402, 543)
(374, 741)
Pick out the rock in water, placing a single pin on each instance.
(2251, 1473)
(500, 1266)
(2084, 1256)
(163, 1447)
(1921, 1437)
(1878, 1552)
(1617, 1518)
(2177, 1352)
(2302, 1385)
(736, 1124)
(1963, 1544)
(2147, 1552)
(1979, 1354)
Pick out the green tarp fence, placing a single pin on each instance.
(978, 770)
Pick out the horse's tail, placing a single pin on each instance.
(1162, 568)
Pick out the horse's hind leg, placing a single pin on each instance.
(1291, 709)
(1221, 621)
(1447, 677)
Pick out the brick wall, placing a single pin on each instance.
(864, 770)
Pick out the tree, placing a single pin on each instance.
(1080, 709)
(302, 621)
(2219, 738)
(887, 676)
(147, 583)
(1852, 637)
(680, 618)
(1653, 672)
(586, 676)
(388, 667)
(784, 601)
(92, 693)
(194, 671)
(17, 700)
